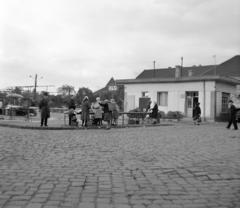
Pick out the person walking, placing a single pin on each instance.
(85, 111)
(197, 114)
(44, 109)
(232, 115)
(71, 107)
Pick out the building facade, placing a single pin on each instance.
(179, 89)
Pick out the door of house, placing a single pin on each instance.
(191, 101)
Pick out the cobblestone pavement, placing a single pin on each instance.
(182, 166)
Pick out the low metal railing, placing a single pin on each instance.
(124, 118)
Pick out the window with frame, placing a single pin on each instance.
(145, 94)
(225, 99)
(162, 98)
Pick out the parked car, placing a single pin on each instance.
(16, 110)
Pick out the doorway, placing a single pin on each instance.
(191, 102)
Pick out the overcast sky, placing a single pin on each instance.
(86, 42)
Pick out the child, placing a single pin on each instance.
(197, 115)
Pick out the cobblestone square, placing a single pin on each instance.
(179, 166)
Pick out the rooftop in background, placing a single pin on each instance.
(230, 68)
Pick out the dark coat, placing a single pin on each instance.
(106, 111)
(44, 108)
(233, 112)
(197, 111)
(154, 113)
(85, 110)
(71, 104)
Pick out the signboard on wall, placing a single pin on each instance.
(112, 88)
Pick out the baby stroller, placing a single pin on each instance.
(73, 117)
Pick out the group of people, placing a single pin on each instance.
(106, 110)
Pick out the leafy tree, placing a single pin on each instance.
(66, 90)
(57, 101)
(82, 92)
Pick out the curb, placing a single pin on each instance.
(77, 128)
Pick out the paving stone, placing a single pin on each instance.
(86, 205)
(167, 166)
(34, 205)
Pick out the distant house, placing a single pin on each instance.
(108, 87)
(180, 88)
(111, 90)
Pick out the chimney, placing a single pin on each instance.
(178, 72)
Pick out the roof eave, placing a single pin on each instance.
(182, 79)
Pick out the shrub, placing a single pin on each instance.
(161, 114)
(174, 115)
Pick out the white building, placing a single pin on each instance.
(179, 89)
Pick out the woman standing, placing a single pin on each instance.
(106, 113)
(85, 111)
(154, 114)
(115, 112)
(97, 109)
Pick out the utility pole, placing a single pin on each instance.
(154, 69)
(35, 87)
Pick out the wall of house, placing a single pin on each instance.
(176, 95)
(220, 88)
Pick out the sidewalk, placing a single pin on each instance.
(57, 122)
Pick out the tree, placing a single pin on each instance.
(17, 90)
(82, 92)
(66, 90)
(57, 101)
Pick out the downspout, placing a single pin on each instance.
(204, 100)
(215, 103)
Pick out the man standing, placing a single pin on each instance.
(71, 107)
(44, 109)
(232, 115)
(85, 111)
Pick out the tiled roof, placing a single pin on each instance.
(230, 67)
(170, 72)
